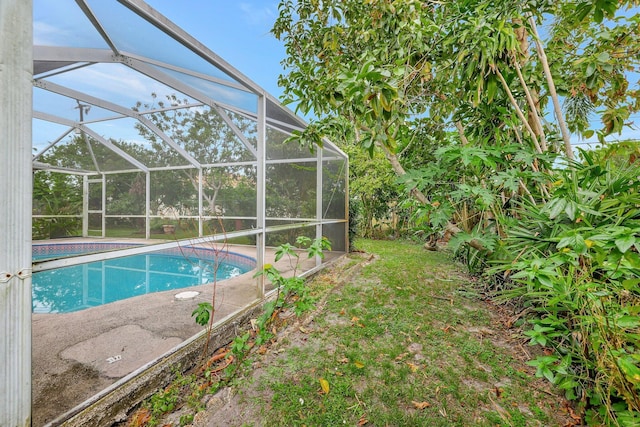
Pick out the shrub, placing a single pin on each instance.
(575, 262)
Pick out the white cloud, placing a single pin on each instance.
(258, 15)
(62, 23)
(45, 34)
(113, 82)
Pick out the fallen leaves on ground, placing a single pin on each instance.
(324, 384)
(420, 405)
(140, 418)
(413, 366)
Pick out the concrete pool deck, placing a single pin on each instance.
(77, 355)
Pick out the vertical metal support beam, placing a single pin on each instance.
(200, 197)
(319, 198)
(261, 178)
(85, 206)
(16, 192)
(147, 207)
(346, 207)
(104, 205)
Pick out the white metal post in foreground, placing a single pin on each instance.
(319, 199)
(16, 73)
(261, 178)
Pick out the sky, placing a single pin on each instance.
(238, 31)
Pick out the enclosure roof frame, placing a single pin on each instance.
(53, 61)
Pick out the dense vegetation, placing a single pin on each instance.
(469, 113)
(460, 118)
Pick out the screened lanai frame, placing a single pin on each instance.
(128, 38)
(115, 45)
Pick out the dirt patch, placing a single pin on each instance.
(64, 389)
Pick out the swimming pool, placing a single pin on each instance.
(82, 286)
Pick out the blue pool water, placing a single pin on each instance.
(78, 287)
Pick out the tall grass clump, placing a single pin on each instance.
(574, 262)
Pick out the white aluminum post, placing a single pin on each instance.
(16, 65)
(319, 210)
(103, 208)
(85, 206)
(261, 190)
(346, 207)
(147, 206)
(200, 208)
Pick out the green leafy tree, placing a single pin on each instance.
(380, 66)
(373, 188)
(203, 133)
(56, 194)
(492, 85)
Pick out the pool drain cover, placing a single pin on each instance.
(187, 295)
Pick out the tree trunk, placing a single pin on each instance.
(519, 112)
(552, 90)
(534, 113)
(463, 137)
(450, 227)
(532, 95)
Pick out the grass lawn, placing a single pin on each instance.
(401, 339)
